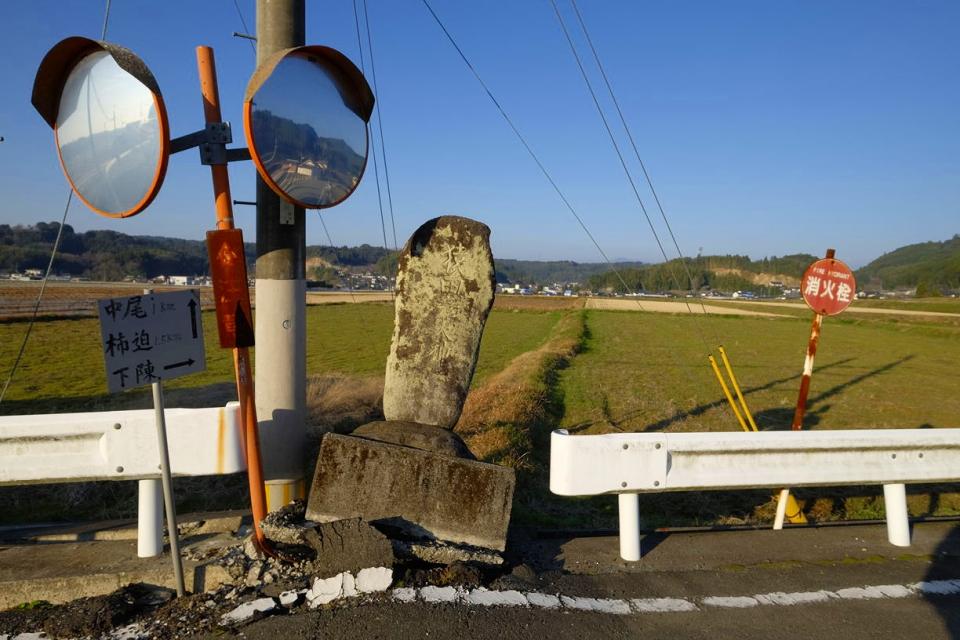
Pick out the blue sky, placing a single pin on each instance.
(768, 127)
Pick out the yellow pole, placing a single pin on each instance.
(736, 387)
(792, 510)
(726, 392)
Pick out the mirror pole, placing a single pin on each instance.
(281, 298)
(207, 70)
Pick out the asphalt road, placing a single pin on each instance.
(868, 620)
(831, 582)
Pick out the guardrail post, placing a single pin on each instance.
(629, 526)
(150, 518)
(898, 522)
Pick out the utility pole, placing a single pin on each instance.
(280, 325)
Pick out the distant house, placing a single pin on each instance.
(180, 281)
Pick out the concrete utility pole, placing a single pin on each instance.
(280, 298)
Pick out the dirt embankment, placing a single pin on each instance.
(503, 419)
(759, 278)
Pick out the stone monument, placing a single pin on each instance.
(411, 471)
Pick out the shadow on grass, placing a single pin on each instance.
(699, 410)
(781, 418)
(213, 395)
(767, 420)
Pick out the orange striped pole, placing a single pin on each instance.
(808, 365)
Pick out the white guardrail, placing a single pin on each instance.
(122, 445)
(628, 464)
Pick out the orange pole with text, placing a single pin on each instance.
(241, 355)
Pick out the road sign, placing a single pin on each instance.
(828, 286)
(228, 266)
(151, 337)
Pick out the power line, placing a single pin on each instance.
(376, 170)
(106, 21)
(530, 151)
(636, 152)
(379, 105)
(36, 305)
(246, 31)
(53, 252)
(623, 163)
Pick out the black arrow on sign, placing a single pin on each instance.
(177, 365)
(193, 316)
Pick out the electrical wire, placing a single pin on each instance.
(53, 253)
(530, 151)
(626, 170)
(376, 170)
(36, 305)
(244, 23)
(379, 109)
(636, 152)
(106, 21)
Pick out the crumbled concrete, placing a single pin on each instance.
(292, 598)
(374, 579)
(423, 494)
(248, 610)
(325, 590)
(445, 288)
(328, 548)
(418, 436)
(439, 552)
(349, 585)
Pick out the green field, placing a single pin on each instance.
(646, 372)
(627, 371)
(62, 369)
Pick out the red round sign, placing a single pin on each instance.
(828, 286)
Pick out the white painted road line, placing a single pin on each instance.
(486, 598)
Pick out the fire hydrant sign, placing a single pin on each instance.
(828, 286)
(151, 337)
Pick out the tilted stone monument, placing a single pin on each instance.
(445, 287)
(412, 472)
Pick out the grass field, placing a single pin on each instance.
(62, 369)
(646, 372)
(546, 364)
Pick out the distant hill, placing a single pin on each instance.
(529, 271)
(930, 266)
(722, 273)
(109, 255)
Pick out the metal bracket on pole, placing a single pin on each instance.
(287, 213)
(212, 141)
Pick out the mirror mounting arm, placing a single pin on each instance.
(212, 141)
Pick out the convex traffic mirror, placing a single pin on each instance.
(305, 118)
(109, 122)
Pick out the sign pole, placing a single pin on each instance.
(827, 287)
(167, 481)
(168, 486)
(808, 363)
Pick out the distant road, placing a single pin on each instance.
(339, 297)
(670, 306)
(853, 308)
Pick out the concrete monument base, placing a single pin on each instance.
(423, 494)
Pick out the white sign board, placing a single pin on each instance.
(151, 337)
